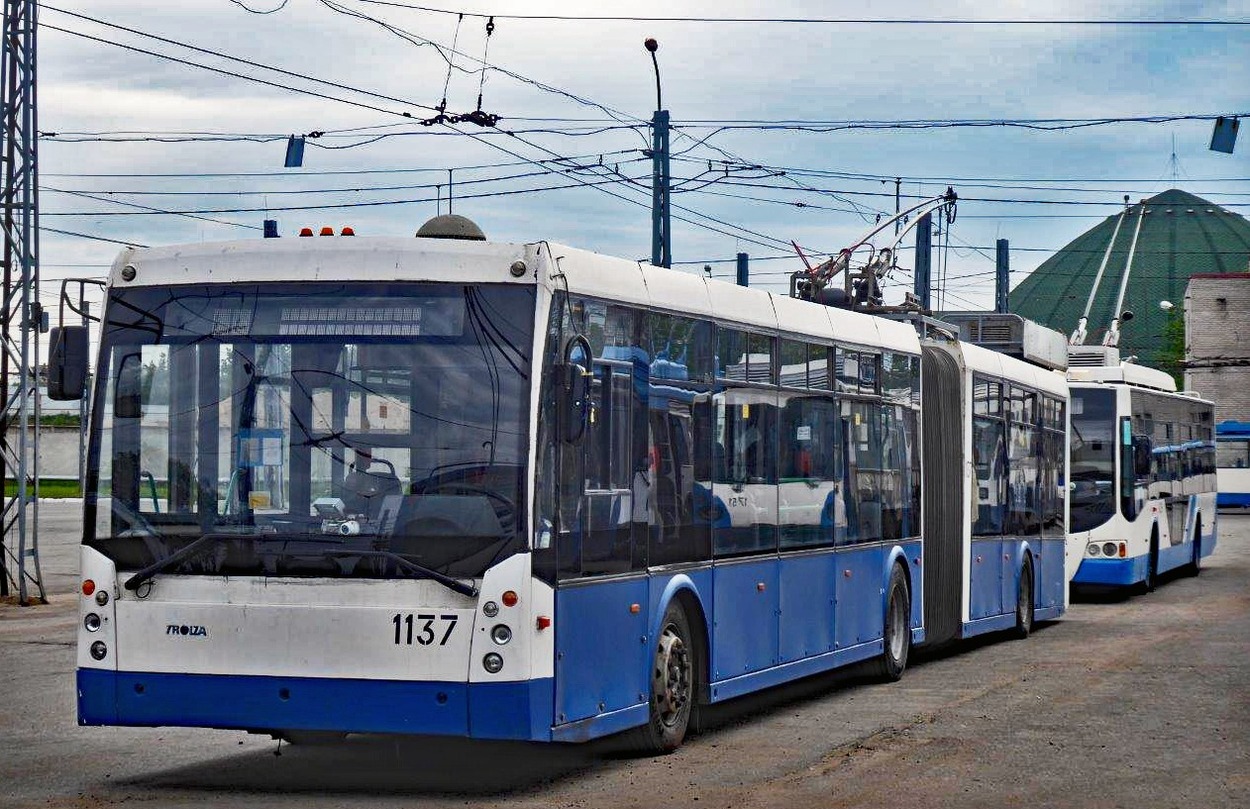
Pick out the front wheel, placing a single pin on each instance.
(896, 634)
(673, 686)
(1152, 564)
(1024, 602)
(1195, 566)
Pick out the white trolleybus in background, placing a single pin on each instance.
(522, 491)
(1232, 463)
(1143, 475)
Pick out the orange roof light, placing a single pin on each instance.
(327, 231)
(347, 231)
(305, 231)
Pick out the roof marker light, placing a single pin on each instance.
(347, 231)
(305, 231)
(327, 231)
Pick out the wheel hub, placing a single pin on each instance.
(670, 680)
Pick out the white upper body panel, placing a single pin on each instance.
(554, 266)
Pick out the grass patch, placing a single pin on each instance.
(50, 488)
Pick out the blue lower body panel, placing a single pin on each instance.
(1114, 572)
(514, 710)
(1233, 500)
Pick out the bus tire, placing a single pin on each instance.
(674, 687)
(1024, 601)
(896, 633)
(1195, 566)
(1152, 564)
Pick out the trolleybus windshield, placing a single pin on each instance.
(1093, 458)
(346, 430)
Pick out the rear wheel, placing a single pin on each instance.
(673, 686)
(1024, 602)
(897, 631)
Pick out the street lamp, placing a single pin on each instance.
(661, 243)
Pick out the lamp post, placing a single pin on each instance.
(661, 242)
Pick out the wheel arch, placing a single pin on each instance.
(685, 591)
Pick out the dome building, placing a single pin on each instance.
(1181, 235)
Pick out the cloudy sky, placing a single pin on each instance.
(129, 137)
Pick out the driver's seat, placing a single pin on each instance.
(364, 489)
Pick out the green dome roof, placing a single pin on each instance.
(1182, 235)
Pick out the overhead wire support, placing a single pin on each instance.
(21, 315)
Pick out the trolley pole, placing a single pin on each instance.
(661, 237)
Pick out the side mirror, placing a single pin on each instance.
(67, 363)
(128, 396)
(1143, 449)
(572, 401)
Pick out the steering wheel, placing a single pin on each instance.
(505, 508)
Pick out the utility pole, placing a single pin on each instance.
(923, 275)
(661, 237)
(21, 317)
(898, 198)
(1002, 277)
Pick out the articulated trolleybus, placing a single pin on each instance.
(1143, 475)
(510, 491)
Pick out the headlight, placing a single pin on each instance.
(92, 622)
(1108, 548)
(99, 650)
(1093, 550)
(500, 634)
(492, 662)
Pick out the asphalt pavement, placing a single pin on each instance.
(1126, 702)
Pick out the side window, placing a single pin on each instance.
(793, 364)
(745, 457)
(760, 352)
(680, 348)
(810, 495)
(989, 457)
(1024, 464)
(861, 430)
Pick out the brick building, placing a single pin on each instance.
(1217, 341)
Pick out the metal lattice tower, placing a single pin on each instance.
(21, 316)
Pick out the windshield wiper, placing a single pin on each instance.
(177, 557)
(447, 581)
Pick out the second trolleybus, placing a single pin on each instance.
(1143, 476)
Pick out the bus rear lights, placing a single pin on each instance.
(543, 622)
(102, 597)
(1093, 550)
(501, 634)
(88, 587)
(490, 609)
(509, 598)
(91, 623)
(1108, 548)
(99, 650)
(493, 663)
